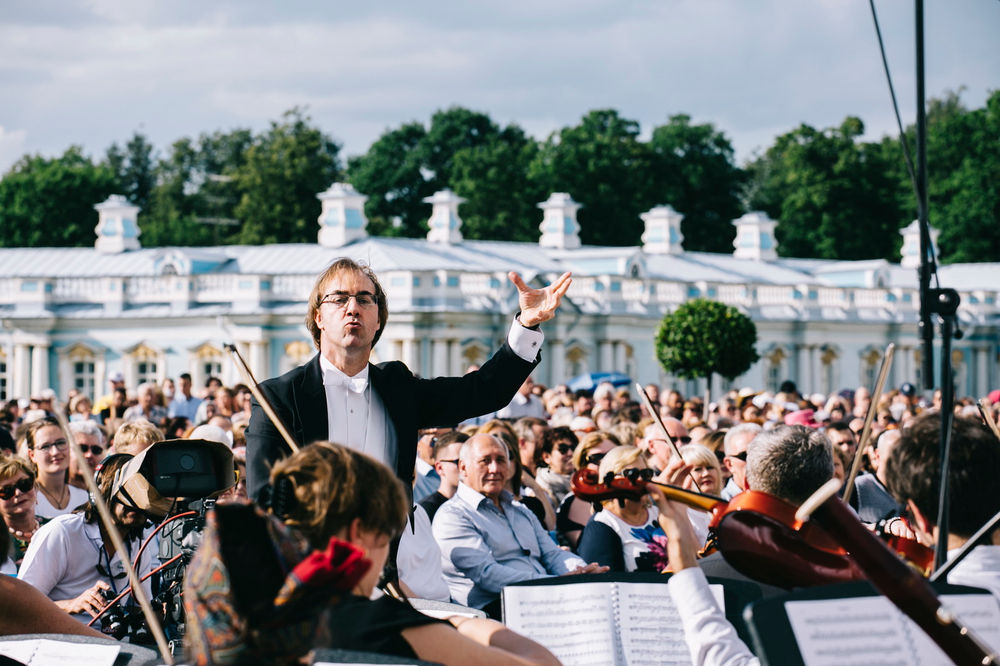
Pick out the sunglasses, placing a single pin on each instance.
(93, 448)
(633, 474)
(595, 458)
(565, 449)
(740, 456)
(24, 485)
(453, 462)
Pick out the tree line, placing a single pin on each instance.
(835, 195)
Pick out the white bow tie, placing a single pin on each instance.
(353, 384)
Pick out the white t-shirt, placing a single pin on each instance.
(636, 540)
(44, 508)
(63, 556)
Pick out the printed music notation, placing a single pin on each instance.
(591, 624)
(870, 631)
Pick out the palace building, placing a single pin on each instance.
(71, 316)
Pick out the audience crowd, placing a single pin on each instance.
(492, 503)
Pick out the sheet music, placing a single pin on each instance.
(600, 624)
(871, 631)
(40, 651)
(651, 629)
(574, 621)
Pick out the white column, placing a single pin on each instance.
(258, 359)
(39, 368)
(817, 371)
(409, 354)
(439, 358)
(605, 356)
(802, 379)
(620, 357)
(21, 375)
(455, 367)
(557, 362)
(982, 372)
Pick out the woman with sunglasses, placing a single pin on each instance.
(17, 505)
(574, 512)
(625, 535)
(49, 450)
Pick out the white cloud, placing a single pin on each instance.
(12, 147)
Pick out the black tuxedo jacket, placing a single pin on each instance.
(411, 403)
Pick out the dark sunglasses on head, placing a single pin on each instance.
(24, 485)
(565, 448)
(633, 474)
(740, 456)
(595, 458)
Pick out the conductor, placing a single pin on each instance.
(377, 409)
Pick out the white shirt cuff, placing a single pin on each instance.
(525, 342)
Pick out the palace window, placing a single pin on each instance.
(775, 360)
(576, 361)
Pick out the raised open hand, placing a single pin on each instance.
(538, 305)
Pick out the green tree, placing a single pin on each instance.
(285, 169)
(702, 338)
(390, 175)
(501, 199)
(50, 202)
(604, 166)
(834, 196)
(134, 167)
(696, 174)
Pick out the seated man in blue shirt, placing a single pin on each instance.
(487, 539)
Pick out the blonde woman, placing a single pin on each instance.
(574, 512)
(49, 451)
(625, 535)
(705, 469)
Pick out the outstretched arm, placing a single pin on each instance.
(538, 305)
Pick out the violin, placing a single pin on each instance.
(756, 533)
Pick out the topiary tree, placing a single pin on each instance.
(702, 338)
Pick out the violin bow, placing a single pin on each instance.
(866, 431)
(656, 417)
(265, 404)
(138, 592)
(986, 411)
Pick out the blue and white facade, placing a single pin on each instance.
(71, 316)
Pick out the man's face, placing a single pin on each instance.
(560, 461)
(351, 326)
(736, 459)
(660, 448)
(584, 405)
(486, 467)
(94, 451)
(184, 384)
(526, 387)
(843, 439)
(146, 399)
(130, 521)
(447, 463)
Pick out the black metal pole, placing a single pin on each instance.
(926, 264)
(947, 416)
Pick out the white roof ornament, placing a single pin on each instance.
(117, 230)
(910, 252)
(342, 219)
(755, 237)
(444, 222)
(559, 226)
(663, 231)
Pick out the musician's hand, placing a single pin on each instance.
(593, 567)
(682, 545)
(538, 305)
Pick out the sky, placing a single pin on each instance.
(90, 73)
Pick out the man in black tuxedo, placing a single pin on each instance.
(377, 409)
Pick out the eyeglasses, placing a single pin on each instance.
(58, 445)
(96, 449)
(677, 440)
(340, 299)
(24, 485)
(740, 456)
(565, 449)
(595, 458)
(633, 474)
(453, 462)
